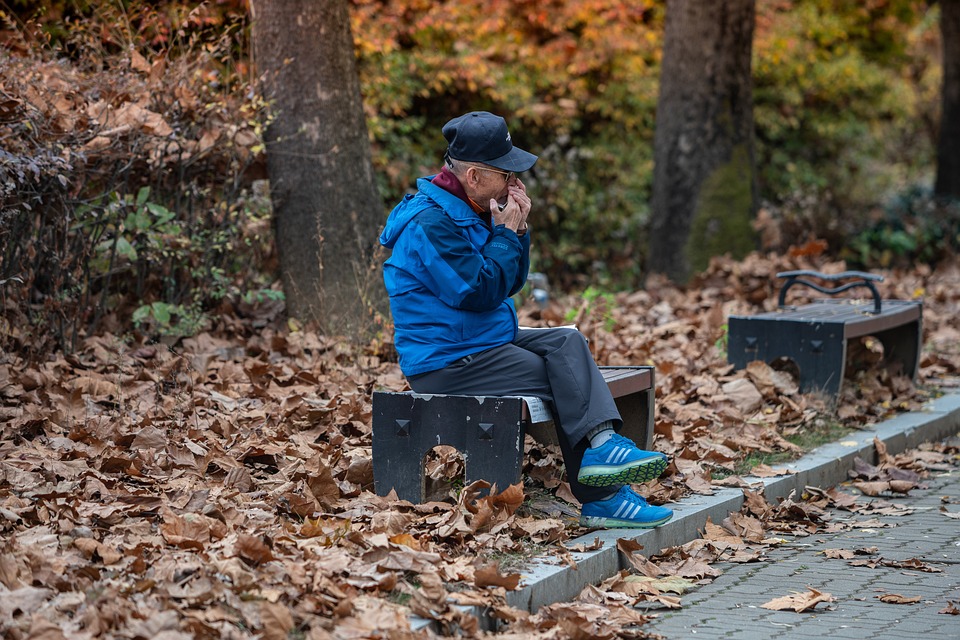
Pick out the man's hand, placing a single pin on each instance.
(514, 214)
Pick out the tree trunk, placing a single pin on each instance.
(327, 211)
(948, 148)
(704, 180)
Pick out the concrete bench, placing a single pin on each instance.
(487, 430)
(815, 336)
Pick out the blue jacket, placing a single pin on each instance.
(450, 278)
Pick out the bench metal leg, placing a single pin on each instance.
(747, 341)
(903, 345)
(821, 355)
(489, 434)
(636, 410)
(819, 350)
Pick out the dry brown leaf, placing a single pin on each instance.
(489, 576)
(276, 619)
(765, 471)
(406, 540)
(896, 598)
(743, 394)
(252, 549)
(902, 486)
(799, 601)
(745, 526)
(872, 488)
(42, 629)
(95, 551)
(839, 554)
(584, 547)
(25, 601)
(952, 608)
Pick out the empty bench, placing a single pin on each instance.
(487, 430)
(814, 336)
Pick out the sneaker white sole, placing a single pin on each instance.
(631, 472)
(599, 522)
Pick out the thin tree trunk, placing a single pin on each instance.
(327, 212)
(948, 148)
(704, 181)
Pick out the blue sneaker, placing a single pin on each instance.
(625, 510)
(619, 461)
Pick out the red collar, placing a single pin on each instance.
(449, 182)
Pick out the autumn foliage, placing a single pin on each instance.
(133, 139)
(177, 459)
(127, 174)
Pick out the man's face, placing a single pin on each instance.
(494, 183)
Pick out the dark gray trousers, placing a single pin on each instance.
(552, 364)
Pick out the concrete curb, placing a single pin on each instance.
(545, 581)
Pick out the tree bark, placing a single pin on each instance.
(948, 148)
(327, 212)
(704, 181)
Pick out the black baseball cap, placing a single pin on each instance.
(480, 136)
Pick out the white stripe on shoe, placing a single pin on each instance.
(623, 506)
(612, 455)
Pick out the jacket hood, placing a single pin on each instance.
(428, 195)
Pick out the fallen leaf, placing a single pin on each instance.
(839, 554)
(872, 488)
(276, 619)
(583, 548)
(489, 576)
(630, 549)
(743, 394)
(253, 549)
(799, 602)
(25, 600)
(896, 598)
(674, 584)
(952, 608)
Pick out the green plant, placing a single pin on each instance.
(914, 227)
(144, 207)
(821, 430)
(169, 319)
(256, 296)
(722, 342)
(595, 302)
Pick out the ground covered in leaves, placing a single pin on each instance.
(221, 486)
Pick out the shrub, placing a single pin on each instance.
(126, 186)
(912, 227)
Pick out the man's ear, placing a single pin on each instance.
(473, 176)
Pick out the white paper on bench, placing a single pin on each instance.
(538, 410)
(563, 326)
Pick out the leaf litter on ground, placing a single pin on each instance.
(222, 486)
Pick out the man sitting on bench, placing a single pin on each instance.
(461, 248)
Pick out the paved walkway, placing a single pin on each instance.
(729, 607)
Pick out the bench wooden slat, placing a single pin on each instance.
(626, 380)
(857, 318)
